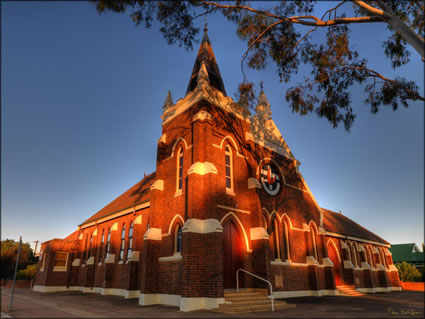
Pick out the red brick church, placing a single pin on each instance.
(227, 194)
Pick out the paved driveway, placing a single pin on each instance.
(72, 304)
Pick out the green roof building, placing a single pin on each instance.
(409, 253)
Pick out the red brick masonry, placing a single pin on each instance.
(417, 286)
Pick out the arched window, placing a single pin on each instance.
(371, 258)
(90, 246)
(178, 239)
(286, 240)
(348, 252)
(180, 169)
(229, 168)
(354, 250)
(130, 240)
(384, 262)
(313, 242)
(122, 242)
(102, 241)
(108, 243)
(85, 250)
(276, 240)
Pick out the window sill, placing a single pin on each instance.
(230, 191)
(175, 257)
(178, 193)
(59, 268)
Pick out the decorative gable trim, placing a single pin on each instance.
(202, 116)
(153, 234)
(158, 185)
(202, 226)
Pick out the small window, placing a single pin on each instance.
(90, 245)
(313, 241)
(229, 168)
(61, 259)
(276, 240)
(108, 244)
(178, 239)
(101, 246)
(286, 239)
(85, 253)
(122, 243)
(180, 169)
(130, 240)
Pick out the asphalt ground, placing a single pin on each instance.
(73, 304)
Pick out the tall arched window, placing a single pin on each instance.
(384, 262)
(90, 245)
(286, 240)
(276, 240)
(354, 250)
(178, 239)
(102, 241)
(371, 258)
(348, 252)
(180, 169)
(229, 168)
(108, 243)
(130, 240)
(85, 250)
(313, 242)
(122, 242)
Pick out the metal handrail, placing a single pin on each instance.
(249, 273)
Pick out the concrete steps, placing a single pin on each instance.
(348, 290)
(249, 300)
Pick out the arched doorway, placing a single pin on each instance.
(233, 254)
(334, 257)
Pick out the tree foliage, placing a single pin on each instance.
(408, 272)
(273, 34)
(9, 253)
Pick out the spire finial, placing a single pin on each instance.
(206, 25)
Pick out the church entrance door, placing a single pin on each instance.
(334, 257)
(233, 254)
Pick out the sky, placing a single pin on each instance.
(82, 96)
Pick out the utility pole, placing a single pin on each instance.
(16, 270)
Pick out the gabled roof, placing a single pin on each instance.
(206, 55)
(340, 224)
(137, 194)
(406, 252)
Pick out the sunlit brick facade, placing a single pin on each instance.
(227, 194)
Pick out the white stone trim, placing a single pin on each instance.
(114, 226)
(348, 264)
(202, 115)
(163, 138)
(360, 248)
(172, 223)
(90, 261)
(76, 262)
(287, 263)
(95, 232)
(158, 185)
(202, 168)
(178, 193)
(387, 252)
(253, 183)
(234, 209)
(343, 245)
(311, 260)
(326, 262)
(234, 144)
(259, 233)
(365, 265)
(392, 267)
(138, 220)
(103, 291)
(176, 257)
(110, 259)
(190, 304)
(135, 255)
(380, 267)
(202, 226)
(153, 234)
(80, 237)
(302, 293)
(229, 191)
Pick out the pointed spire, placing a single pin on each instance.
(206, 55)
(168, 101)
(263, 106)
(202, 75)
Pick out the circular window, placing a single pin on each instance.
(270, 178)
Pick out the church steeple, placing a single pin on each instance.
(206, 55)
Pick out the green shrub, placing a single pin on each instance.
(27, 273)
(408, 272)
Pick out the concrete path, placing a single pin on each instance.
(72, 304)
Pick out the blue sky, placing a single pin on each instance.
(82, 96)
